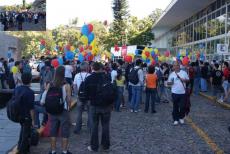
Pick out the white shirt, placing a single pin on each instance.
(2, 69)
(68, 71)
(113, 75)
(64, 96)
(79, 77)
(177, 87)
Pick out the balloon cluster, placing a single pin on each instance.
(57, 62)
(89, 48)
(150, 55)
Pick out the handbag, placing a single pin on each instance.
(187, 97)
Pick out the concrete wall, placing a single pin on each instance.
(7, 43)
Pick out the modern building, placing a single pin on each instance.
(9, 46)
(196, 26)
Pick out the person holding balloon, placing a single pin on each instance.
(17, 73)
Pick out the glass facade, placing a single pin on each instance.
(204, 30)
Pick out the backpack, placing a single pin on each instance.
(54, 103)
(38, 68)
(10, 81)
(106, 92)
(133, 76)
(81, 91)
(13, 108)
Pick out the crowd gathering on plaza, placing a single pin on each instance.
(15, 20)
(86, 79)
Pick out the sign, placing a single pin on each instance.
(222, 49)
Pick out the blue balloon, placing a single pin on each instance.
(60, 60)
(91, 37)
(80, 57)
(148, 61)
(137, 52)
(69, 55)
(85, 30)
(152, 53)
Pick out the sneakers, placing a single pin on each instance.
(67, 152)
(220, 100)
(181, 121)
(131, 110)
(52, 152)
(90, 149)
(135, 111)
(175, 123)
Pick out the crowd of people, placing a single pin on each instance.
(15, 20)
(95, 82)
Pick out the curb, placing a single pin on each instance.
(213, 99)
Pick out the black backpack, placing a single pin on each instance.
(13, 108)
(133, 76)
(106, 92)
(82, 90)
(54, 103)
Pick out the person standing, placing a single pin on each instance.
(60, 120)
(20, 19)
(151, 88)
(17, 75)
(225, 84)
(120, 83)
(204, 77)
(26, 111)
(197, 76)
(178, 79)
(100, 110)
(78, 79)
(2, 73)
(136, 73)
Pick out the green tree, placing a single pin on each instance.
(119, 25)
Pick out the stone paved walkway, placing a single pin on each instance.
(41, 26)
(141, 133)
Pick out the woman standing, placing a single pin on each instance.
(120, 82)
(151, 89)
(63, 118)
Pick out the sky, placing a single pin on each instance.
(60, 12)
(13, 2)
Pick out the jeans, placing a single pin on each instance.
(150, 93)
(178, 106)
(2, 78)
(24, 137)
(129, 94)
(118, 101)
(136, 92)
(40, 109)
(203, 84)
(196, 85)
(102, 114)
(80, 109)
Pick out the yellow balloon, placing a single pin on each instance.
(84, 40)
(72, 48)
(59, 44)
(156, 51)
(14, 70)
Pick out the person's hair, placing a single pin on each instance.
(216, 65)
(201, 62)
(42, 58)
(59, 76)
(114, 66)
(151, 69)
(138, 62)
(26, 78)
(11, 60)
(67, 62)
(226, 64)
(96, 66)
(84, 66)
(17, 63)
(47, 63)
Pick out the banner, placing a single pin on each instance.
(222, 49)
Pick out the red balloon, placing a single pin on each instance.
(167, 54)
(128, 59)
(68, 47)
(185, 61)
(55, 63)
(153, 62)
(147, 54)
(116, 48)
(90, 26)
(43, 42)
(81, 49)
(90, 47)
(90, 58)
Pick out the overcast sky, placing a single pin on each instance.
(61, 11)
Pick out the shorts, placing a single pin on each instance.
(61, 122)
(225, 85)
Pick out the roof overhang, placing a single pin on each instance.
(178, 11)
